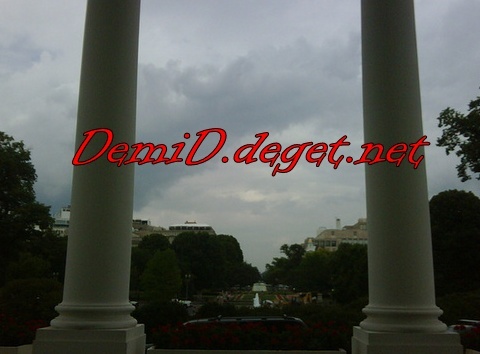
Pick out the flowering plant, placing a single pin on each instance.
(14, 332)
(248, 336)
(469, 336)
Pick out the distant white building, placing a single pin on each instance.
(330, 239)
(189, 226)
(140, 227)
(62, 221)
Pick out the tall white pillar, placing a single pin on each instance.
(94, 316)
(401, 315)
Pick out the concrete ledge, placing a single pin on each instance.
(52, 340)
(22, 349)
(198, 351)
(367, 342)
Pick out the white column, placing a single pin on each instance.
(401, 316)
(94, 315)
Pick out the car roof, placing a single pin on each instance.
(244, 319)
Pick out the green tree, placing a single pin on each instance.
(244, 274)
(345, 271)
(50, 247)
(294, 253)
(349, 266)
(277, 272)
(154, 242)
(314, 272)
(232, 256)
(195, 258)
(455, 221)
(28, 266)
(213, 262)
(281, 270)
(139, 260)
(162, 279)
(201, 255)
(230, 248)
(462, 133)
(22, 218)
(142, 254)
(31, 299)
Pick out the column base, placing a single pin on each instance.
(52, 340)
(403, 320)
(368, 342)
(98, 316)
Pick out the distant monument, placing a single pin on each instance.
(256, 301)
(259, 287)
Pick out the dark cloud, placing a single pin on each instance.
(265, 90)
(290, 68)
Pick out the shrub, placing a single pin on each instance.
(248, 336)
(156, 314)
(459, 305)
(213, 309)
(14, 332)
(470, 337)
(31, 299)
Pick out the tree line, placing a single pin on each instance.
(341, 275)
(195, 262)
(33, 255)
(192, 263)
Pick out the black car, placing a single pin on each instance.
(281, 323)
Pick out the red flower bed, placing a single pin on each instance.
(14, 332)
(248, 336)
(470, 337)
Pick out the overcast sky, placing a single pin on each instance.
(291, 68)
